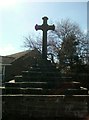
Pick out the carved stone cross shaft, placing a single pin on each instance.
(44, 27)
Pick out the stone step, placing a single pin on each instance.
(69, 79)
(30, 91)
(31, 72)
(19, 78)
(37, 68)
(76, 92)
(44, 69)
(68, 92)
(42, 78)
(70, 85)
(44, 85)
(27, 84)
(40, 73)
(37, 79)
(41, 91)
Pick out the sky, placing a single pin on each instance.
(18, 19)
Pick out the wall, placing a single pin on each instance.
(44, 106)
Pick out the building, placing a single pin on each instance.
(14, 64)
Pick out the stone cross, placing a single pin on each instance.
(44, 27)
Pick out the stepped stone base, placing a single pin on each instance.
(41, 93)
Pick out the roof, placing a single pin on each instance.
(7, 60)
(10, 58)
(19, 54)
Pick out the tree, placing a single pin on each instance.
(64, 43)
(68, 52)
(85, 49)
(33, 43)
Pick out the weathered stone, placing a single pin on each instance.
(47, 106)
(44, 27)
(26, 84)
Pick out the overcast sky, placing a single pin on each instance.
(17, 19)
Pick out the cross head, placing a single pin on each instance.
(44, 27)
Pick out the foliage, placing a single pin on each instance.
(66, 44)
(33, 43)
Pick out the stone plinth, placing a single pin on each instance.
(44, 106)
